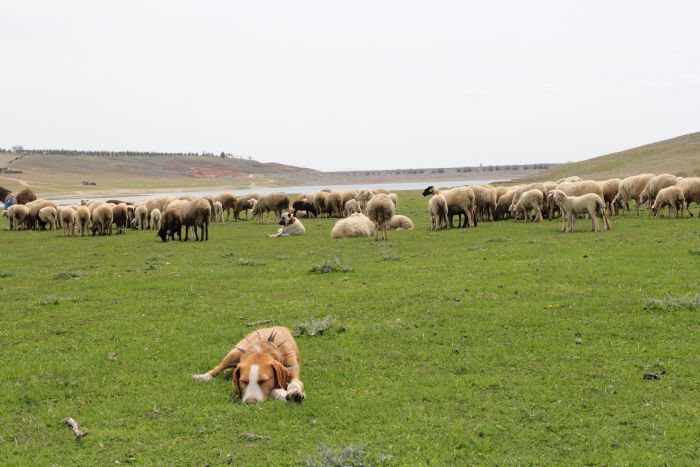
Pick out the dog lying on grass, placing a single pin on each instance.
(266, 365)
(292, 226)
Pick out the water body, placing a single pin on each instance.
(295, 189)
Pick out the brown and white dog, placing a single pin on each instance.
(292, 226)
(266, 365)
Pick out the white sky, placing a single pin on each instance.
(351, 85)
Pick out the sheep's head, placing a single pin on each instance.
(163, 233)
(429, 191)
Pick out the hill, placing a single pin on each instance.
(679, 156)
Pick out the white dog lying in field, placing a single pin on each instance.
(292, 226)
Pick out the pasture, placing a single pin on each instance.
(449, 347)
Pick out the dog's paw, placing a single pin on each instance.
(202, 377)
(278, 395)
(294, 393)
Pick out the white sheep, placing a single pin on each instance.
(83, 219)
(394, 199)
(196, 213)
(531, 200)
(380, 210)
(48, 215)
(351, 207)
(590, 204)
(671, 196)
(631, 188)
(218, 212)
(460, 200)
(400, 222)
(437, 207)
(656, 184)
(334, 204)
(363, 196)
(101, 220)
(141, 216)
(17, 214)
(68, 217)
(156, 215)
(357, 225)
(610, 189)
(691, 191)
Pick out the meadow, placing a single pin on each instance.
(510, 343)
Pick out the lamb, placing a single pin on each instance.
(17, 215)
(334, 204)
(460, 201)
(590, 203)
(155, 219)
(437, 207)
(522, 189)
(399, 222)
(47, 215)
(610, 189)
(171, 223)
(120, 217)
(351, 207)
(380, 210)
(102, 220)
(276, 202)
(196, 214)
(228, 204)
(531, 200)
(83, 217)
(630, 189)
(691, 191)
(357, 225)
(141, 216)
(671, 196)
(68, 217)
(655, 185)
(218, 212)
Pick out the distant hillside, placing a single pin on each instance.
(679, 156)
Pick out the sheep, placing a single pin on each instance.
(691, 191)
(394, 199)
(610, 189)
(630, 189)
(500, 191)
(171, 223)
(83, 217)
(68, 217)
(47, 215)
(196, 214)
(141, 216)
(522, 189)
(671, 196)
(243, 204)
(320, 202)
(357, 225)
(218, 210)
(531, 199)
(437, 207)
(210, 200)
(348, 195)
(577, 188)
(156, 216)
(590, 203)
(275, 202)
(363, 197)
(228, 204)
(484, 201)
(25, 196)
(654, 185)
(17, 214)
(399, 222)
(383, 191)
(120, 217)
(303, 205)
(351, 207)
(380, 210)
(102, 220)
(334, 204)
(34, 208)
(460, 201)
(502, 210)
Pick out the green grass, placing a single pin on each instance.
(452, 347)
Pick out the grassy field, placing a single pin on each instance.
(680, 156)
(452, 347)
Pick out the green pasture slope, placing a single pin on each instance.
(451, 347)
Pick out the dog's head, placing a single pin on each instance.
(257, 376)
(287, 218)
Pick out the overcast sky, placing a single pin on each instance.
(351, 85)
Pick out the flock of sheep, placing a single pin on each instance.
(367, 212)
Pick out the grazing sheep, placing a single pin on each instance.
(484, 201)
(228, 204)
(83, 216)
(218, 212)
(351, 207)
(243, 205)
(334, 204)
(380, 210)
(399, 222)
(68, 217)
(691, 191)
(610, 189)
(303, 205)
(348, 195)
(171, 223)
(17, 214)
(531, 200)
(274, 202)
(437, 207)
(196, 214)
(321, 202)
(35, 206)
(522, 189)
(357, 225)
(363, 196)
(671, 196)
(590, 203)
(210, 199)
(120, 217)
(500, 191)
(654, 185)
(156, 216)
(394, 199)
(102, 220)
(47, 215)
(630, 189)
(502, 210)
(141, 216)
(460, 201)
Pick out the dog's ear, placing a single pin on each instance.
(235, 376)
(280, 375)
